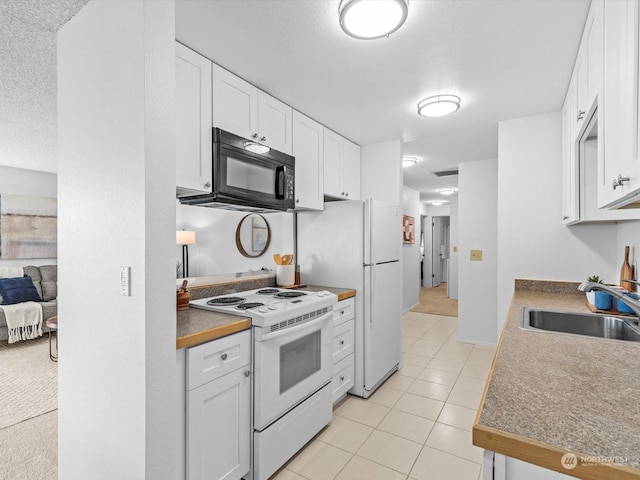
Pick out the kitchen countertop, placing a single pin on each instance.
(550, 394)
(196, 326)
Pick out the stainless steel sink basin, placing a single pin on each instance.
(592, 325)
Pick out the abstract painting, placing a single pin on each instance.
(28, 227)
(408, 229)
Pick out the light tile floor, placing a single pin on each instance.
(417, 425)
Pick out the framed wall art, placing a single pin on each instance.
(28, 227)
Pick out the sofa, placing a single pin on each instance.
(45, 279)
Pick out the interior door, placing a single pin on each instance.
(382, 317)
(436, 253)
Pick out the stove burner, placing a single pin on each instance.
(225, 301)
(246, 306)
(267, 291)
(289, 294)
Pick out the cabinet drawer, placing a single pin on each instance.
(343, 311)
(342, 381)
(343, 338)
(211, 360)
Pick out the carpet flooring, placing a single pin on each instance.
(435, 301)
(28, 411)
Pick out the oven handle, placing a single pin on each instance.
(310, 325)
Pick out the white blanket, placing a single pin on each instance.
(24, 320)
(11, 272)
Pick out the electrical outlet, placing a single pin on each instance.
(475, 255)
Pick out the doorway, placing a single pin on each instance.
(434, 247)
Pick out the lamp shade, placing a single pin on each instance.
(185, 237)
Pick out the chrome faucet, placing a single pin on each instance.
(630, 302)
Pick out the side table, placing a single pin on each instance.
(52, 323)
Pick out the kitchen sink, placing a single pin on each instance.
(592, 325)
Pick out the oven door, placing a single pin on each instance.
(252, 179)
(290, 364)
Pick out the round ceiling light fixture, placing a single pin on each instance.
(438, 105)
(436, 203)
(447, 191)
(409, 161)
(371, 19)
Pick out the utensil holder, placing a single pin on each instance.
(182, 300)
(285, 275)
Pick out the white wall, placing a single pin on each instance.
(215, 249)
(116, 179)
(478, 230)
(411, 252)
(381, 171)
(18, 181)
(532, 241)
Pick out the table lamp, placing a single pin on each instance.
(185, 238)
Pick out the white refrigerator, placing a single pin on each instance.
(357, 244)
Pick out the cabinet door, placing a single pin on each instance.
(620, 103)
(351, 170)
(235, 104)
(588, 67)
(570, 210)
(308, 149)
(218, 428)
(193, 121)
(332, 173)
(274, 123)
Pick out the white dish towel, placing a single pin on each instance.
(24, 320)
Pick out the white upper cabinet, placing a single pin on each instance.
(588, 68)
(619, 172)
(308, 149)
(341, 167)
(242, 109)
(193, 121)
(570, 179)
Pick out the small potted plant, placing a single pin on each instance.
(591, 296)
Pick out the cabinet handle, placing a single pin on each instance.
(341, 312)
(342, 194)
(247, 373)
(341, 342)
(263, 139)
(223, 356)
(342, 378)
(297, 200)
(617, 182)
(581, 114)
(254, 136)
(207, 185)
(565, 217)
(346, 194)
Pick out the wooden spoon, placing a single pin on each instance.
(277, 258)
(287, 259)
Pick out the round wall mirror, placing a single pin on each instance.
(253, 235)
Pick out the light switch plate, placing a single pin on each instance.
(475, 255)
(125, 284)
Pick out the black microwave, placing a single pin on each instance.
(247, 176)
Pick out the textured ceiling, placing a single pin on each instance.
(506, 59)
(28, 125)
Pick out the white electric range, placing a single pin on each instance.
(292, 365)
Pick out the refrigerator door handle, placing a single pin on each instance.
(373, 289)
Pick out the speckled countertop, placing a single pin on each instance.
(196, 326)
(562, 393)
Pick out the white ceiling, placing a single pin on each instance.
(505, 58)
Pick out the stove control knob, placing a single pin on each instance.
(272, 307)
(262, 310)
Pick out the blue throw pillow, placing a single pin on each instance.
(17, 290)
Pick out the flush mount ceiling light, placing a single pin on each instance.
(447, 191)
(409, 161)
(371, 19)
(438, 105)
(256, 147)
(437, 203)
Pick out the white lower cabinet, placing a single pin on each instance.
(218, 409)
(343, 348)
(499, 467)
